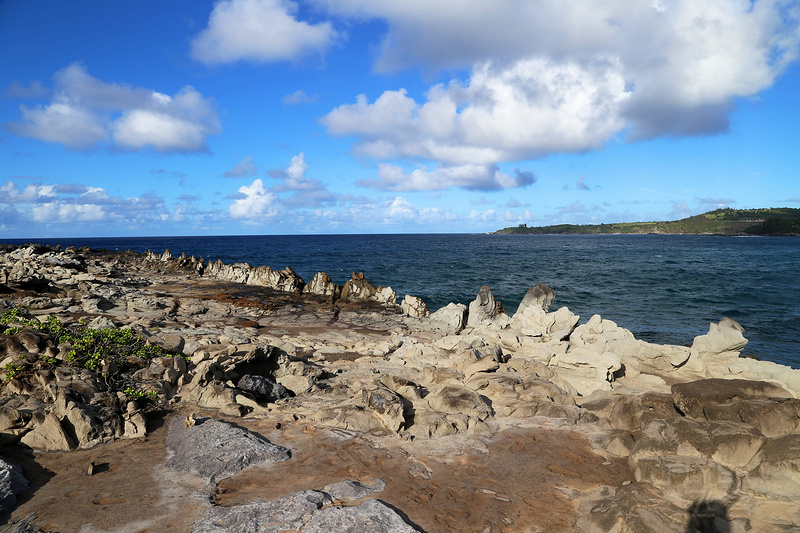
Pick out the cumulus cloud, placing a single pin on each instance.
(259, 30)
(244, 168)
(299, 97)
(254, 202)
(85, 112)
(292, 191)
(554, 77)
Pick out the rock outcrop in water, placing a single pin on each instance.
(256, 372)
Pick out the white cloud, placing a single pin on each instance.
(490, 215)
(255, 202)
(259, 30)
(63, 123)
(299, 97)
(85, 112)
(293, 191)
(67, 213)
(297, 167)
(77, 203)
(244, 168)
(474, 177)
(558, 77)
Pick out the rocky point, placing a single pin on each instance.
(237, 398)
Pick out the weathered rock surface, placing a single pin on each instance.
(306, 511)
(289, 513)
(12, 484)
(692, 398)
(215, 450)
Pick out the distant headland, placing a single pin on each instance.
(766, 221)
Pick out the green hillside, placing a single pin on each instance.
(768, 221)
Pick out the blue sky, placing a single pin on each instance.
(194, 117)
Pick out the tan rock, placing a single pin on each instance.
(48, 436)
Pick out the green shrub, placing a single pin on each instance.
(86, 347)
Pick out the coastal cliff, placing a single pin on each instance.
(220, 395)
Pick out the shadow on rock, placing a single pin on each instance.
(708, 517)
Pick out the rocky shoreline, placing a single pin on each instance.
(239, 398)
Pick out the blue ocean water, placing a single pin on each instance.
(664, 288)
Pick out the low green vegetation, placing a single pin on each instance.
(83, 346)
(771, 221)
(136, 394)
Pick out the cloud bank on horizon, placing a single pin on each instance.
(519, 94)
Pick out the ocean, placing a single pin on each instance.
(664, 288)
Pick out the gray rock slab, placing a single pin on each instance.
(309, 511)
(372, 516)
(287, 513)
(216, 450)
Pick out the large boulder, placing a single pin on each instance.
(48, 436)
(321, 284)
(386, 405)
(358, 288)
(285, 280)
(483, 307)
(262, 389)
(388, 296)
(452, 317)
(414, 306)
(484, 310)
(540, 296)
(724, 340)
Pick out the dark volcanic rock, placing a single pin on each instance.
(262, 389)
